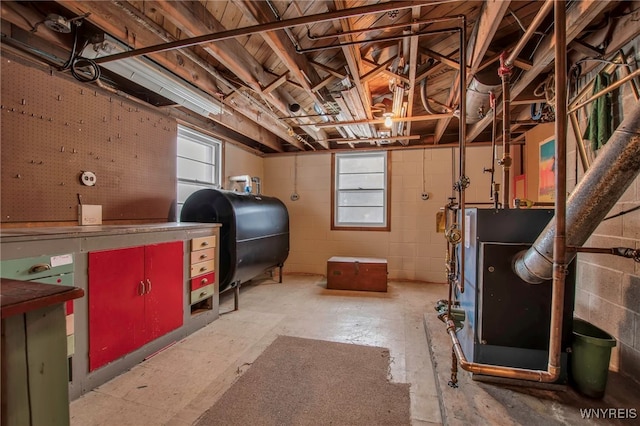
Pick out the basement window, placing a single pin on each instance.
(360, 183)
(198, 164)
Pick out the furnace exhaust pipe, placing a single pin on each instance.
(614, 169)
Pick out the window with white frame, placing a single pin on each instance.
(198, 163)
(361, 189)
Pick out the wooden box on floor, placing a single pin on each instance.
(357, 273)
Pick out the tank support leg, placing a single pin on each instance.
(280, 274)
(236, 297)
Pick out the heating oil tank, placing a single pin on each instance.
(254, 236)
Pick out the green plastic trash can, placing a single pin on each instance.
(590, 356)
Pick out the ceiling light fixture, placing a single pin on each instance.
(388, 122)
(155, 78)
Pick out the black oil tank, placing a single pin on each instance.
(254, 236)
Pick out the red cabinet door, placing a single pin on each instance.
(165, 288)
(116, 304)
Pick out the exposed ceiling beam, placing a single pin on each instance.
(492, 12)
(413, 66)
(194, 18)
(323, 83)
(369, 140)
(272, 26)
(518, 62)
(579, 16)
(376, 71)
(380, 69)
(283, 46)
(354, 62)
(330, 70)
(381, 121)
(275, 83)
(123, 21)
(441, 58)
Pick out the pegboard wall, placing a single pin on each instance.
(54, 129)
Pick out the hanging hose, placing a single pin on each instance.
(547, 88)
(425, 99)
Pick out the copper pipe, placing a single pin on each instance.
(606, 90)
(553, 367)
(381, 120)
(559, 241)
(582, 151)
(537, 20)
(496, 370)
(270, 26)
(505, 73)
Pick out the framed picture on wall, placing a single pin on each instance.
(547, 170)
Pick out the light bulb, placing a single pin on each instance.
(387, 121)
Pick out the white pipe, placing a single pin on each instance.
(242, 178)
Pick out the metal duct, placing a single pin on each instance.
(614, 169)
(478, 94)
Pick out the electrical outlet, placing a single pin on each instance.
(425, 195)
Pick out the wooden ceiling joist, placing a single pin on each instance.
(492, 12)
(579, 16)
(282, 46)
(118, 23)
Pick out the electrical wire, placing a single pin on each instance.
(83, 69)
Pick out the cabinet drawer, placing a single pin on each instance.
(202, 268)
(203, 243)
(202, 255)
(202, 281)
(63, 279)
(202, 293)
(31, 268)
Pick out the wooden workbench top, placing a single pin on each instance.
(18, 297)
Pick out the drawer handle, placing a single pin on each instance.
(204, 268)
(149, 283)
(204, 281)
(40, 267)
(203, 256)
(205, 243)
(204, 293)
(141, 288)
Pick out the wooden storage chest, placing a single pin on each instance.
(357, 273)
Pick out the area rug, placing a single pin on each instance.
(299, 381)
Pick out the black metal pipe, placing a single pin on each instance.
(390, 38)
(384, 27)
(270, 26)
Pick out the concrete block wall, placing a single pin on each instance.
(238, 161)
(413, 248)
(608, 287)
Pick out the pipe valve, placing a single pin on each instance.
(505, 68)
(628, 252)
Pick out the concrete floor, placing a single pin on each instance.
(178, 384)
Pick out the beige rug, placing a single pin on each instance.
(313, 382)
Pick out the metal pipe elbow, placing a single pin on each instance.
(532, 266)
